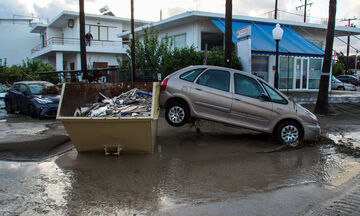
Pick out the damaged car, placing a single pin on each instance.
(234, 98)
(39, 99)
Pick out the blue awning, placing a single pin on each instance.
(292, 43)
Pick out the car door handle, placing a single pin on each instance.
(199, 89)
(237, 99)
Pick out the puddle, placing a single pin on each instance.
(189, 174)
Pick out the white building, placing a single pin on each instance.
(301, 48)
(59, 42)
(16, 40)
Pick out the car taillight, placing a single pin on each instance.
(163, 84)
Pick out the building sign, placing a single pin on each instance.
(243, 32)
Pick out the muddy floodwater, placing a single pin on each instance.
(219, 171)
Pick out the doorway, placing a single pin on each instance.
(301, 73)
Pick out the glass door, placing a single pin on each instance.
(298, 70)
(300, 73)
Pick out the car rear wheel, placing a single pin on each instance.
(177, 114)
(341, 88)
(32, 111)
(289, 132)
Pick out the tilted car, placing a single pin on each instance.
(37, 98)
(338, 85)
(237, 98)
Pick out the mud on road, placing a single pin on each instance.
(216, 172)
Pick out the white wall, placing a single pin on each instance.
(16, 41)
(109, 58)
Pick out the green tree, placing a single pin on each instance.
(338, 68)
(153, 55)
(28, 70)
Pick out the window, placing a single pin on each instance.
(247, 86)
(191, 75)
(178, 41)
(286, 72)
(259, 66)
(274, 96)
(23, 89)
(99, 32)
(215, 79)
(314, 73)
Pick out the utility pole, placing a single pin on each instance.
(276, 9)
(228, 33)
(322, 103)
(132, 43)
(305, 8)
(82, 40)
(348, 42)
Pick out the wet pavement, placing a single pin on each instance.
(219, 171)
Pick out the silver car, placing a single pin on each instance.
(234, 97)
(336, 84)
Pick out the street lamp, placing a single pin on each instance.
(277, 33)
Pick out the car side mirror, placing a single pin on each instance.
(264, 97)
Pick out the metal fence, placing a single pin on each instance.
(106, 75)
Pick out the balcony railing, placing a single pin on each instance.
(58, 41)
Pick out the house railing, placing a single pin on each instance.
(58, 41)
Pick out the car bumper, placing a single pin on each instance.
(48, 111)
(311, 131)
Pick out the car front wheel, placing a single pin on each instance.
(290, 132)
(32, 111)
(341, 88)
(177, 114)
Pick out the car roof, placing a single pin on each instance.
(32, 82)
(218, 68)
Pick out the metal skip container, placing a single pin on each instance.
(128, 134)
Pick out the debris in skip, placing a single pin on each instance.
(131, 103)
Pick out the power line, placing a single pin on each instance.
(305, 10)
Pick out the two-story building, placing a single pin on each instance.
(301, 47)
(59, 40)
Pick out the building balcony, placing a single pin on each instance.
(58, 44)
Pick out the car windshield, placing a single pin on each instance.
(2, 88)
(43, 88)
(334, 79)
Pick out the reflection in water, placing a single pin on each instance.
(189, 170)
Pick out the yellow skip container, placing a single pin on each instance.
(108, 134)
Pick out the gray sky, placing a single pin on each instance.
(150, 9)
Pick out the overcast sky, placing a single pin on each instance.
(150, 9)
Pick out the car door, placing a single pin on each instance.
(210, 95)
(250, 108)
(12, 96)
(22, 100)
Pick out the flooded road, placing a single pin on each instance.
(219, 171)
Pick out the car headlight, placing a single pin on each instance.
(43, 100)
(310, 114)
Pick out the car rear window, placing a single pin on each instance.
(191, 75)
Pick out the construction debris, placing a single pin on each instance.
(131, 103)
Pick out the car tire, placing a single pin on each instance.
(289, 132)
(177, 114)
(340, 88)
(8, 108)
(32, 111)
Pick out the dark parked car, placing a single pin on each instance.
(349, 79)
(40, 99)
